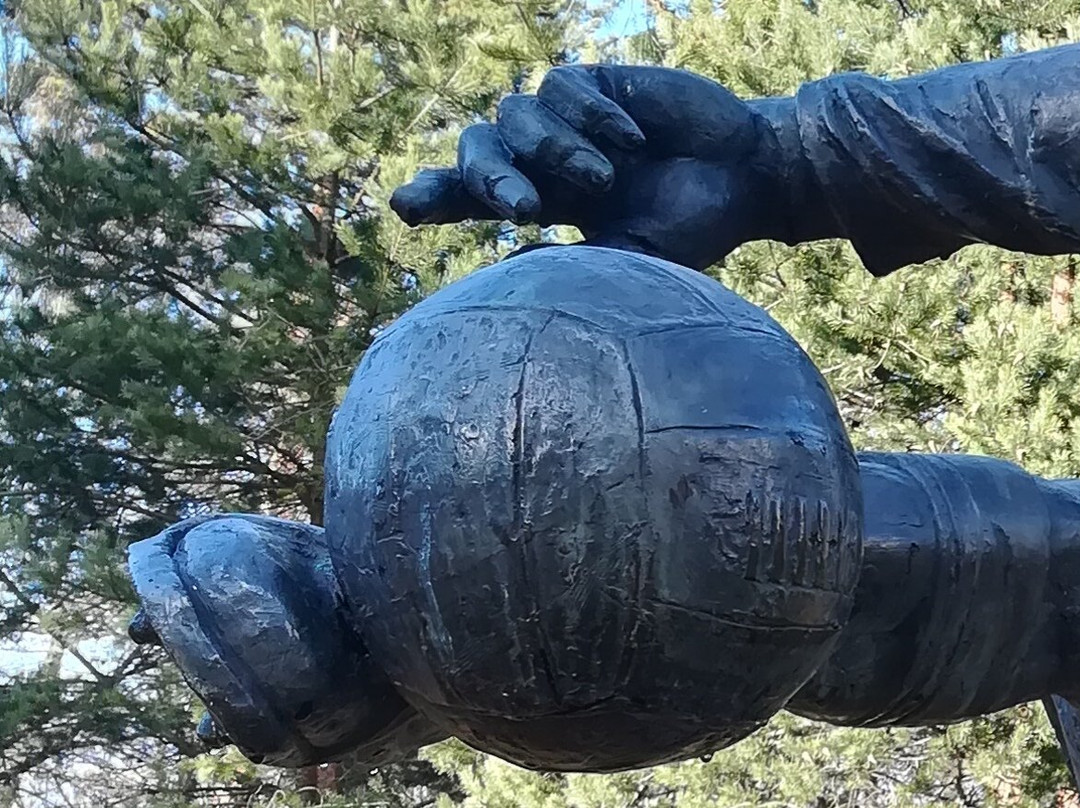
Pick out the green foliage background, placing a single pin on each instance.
(195, 250)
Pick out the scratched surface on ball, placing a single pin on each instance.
(576, 524)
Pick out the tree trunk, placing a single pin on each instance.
(1061, 294)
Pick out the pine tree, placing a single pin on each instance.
(195, 252)
(972, 354)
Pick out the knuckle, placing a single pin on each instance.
(477, 139)
(556, 80)
(512, 105)
(470, 135)
(557, 74)
(567, 72)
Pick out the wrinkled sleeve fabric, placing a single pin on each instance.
(915, 169)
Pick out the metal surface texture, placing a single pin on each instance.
(589, 510)
(583, 529)
(248, 609)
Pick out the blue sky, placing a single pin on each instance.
(629, 17)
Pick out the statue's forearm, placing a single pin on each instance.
(1063, 501)
(962, 607)
(915, 169)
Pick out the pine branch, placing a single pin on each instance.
(28, 603)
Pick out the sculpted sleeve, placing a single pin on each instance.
(917, 168)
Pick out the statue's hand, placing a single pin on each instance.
(647, 158)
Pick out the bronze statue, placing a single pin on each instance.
(671, 164)
(589, 510)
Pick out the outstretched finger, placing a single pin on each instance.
(438, 196)
(573, 94)
(488, 172)
(541, 140)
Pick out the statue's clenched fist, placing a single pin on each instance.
(653, 159)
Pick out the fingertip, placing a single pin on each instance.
(526, 211)
(404, 204)
(630, 133)
(590, 171)
(619, 128)
(518, 199)
(141, 631)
